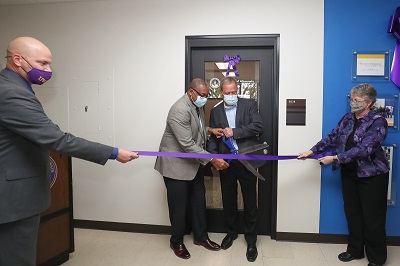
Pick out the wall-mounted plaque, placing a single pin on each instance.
(295, 112)
(370, 66)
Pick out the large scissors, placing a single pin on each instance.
(229, 142)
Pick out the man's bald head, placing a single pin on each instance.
(26, 46)
(25, 53)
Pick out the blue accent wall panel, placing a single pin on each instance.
(356, 25)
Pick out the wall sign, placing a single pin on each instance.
(295, 112)
(370, 66)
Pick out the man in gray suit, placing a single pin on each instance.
(184, 179)
(26, 136)
(237, 118)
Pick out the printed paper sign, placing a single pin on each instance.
(370, 65)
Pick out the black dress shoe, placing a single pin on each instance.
(208, 244)
(227, 241)
(373, 264)
(346, 256)
(180, 251)
(251, 253)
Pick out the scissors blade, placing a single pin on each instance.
(251, 169)
(253, 148)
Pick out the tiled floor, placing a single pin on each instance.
(96, 247)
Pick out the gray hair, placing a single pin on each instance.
(365, 91)
(228, 80)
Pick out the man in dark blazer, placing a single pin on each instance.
(184, 179)
(237, 118)
(26, 136)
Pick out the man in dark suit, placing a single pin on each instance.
(26, 136)
(237, 118)
(183, 177)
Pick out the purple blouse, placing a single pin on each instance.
(369, 136)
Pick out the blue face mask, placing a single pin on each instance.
(200, 101)
(230, 99)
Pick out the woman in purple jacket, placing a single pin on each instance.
(357, 141)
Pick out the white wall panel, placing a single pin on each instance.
(91, 104)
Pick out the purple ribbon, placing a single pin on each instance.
(227, 156)
(232, 63)
(394, 28)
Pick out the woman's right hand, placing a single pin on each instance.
(305, 155)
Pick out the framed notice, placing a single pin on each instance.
(370, 66)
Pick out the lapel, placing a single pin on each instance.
(192, 109)
(222, 114)
(202, 127)
(239, 110)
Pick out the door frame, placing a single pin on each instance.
(246, 41)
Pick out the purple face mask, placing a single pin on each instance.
(37, 76)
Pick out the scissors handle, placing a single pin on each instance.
(229, 142)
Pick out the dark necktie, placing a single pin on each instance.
(201, 124)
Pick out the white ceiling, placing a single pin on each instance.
(32, 2)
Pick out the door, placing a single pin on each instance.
(253, 61)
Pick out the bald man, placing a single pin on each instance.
(26, 136)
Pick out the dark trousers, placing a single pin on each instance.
(187, 205)
(365, 202)
(18, 242)
(229, 178)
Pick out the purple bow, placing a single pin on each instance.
(232, 63)
(394, 28)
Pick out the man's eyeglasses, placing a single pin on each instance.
(201, 95)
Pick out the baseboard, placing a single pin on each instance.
(325, 238)
(123, 227)
(163, 230)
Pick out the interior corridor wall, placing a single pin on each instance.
(142, 44)
(358, 25)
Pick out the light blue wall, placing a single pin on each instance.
(356, 25)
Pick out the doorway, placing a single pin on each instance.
(253, 61)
